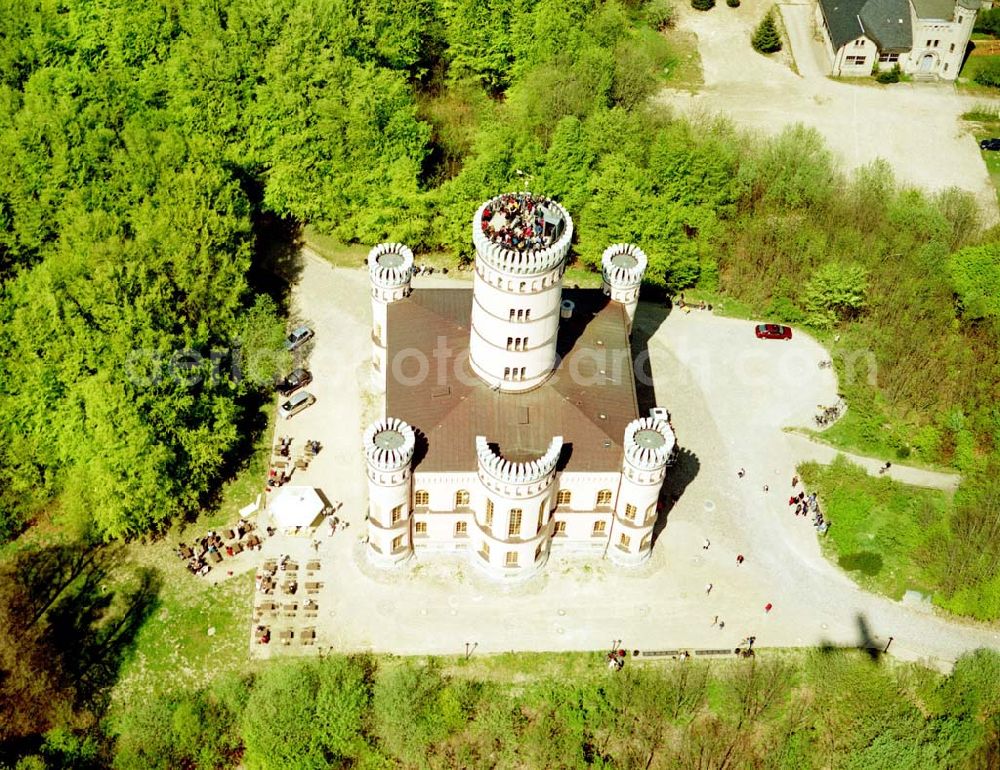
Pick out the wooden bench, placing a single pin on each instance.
(313, 588)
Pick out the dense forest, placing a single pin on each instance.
(144, 149)
(825, 709)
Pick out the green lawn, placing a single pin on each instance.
(972, 65)
(883, 533)
(985, 124)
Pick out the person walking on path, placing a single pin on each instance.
(716, 621)
(739, 559)
(707, 544)
(765, 487)
(742, 472)
(795, 481)
(767, 607)
(708, 589)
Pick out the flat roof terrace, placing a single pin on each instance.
(522, 222)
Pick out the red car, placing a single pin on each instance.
(772, 332)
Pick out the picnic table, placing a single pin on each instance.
(216, 556)
(285, 637)
(312, 566)
(290, 609)
(290, 587)
(313, 588)
(308, 636)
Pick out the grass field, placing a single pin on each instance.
(883, 533)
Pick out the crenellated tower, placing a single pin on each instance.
(650, 446)
(622, 268)
(513, 523)
(521, 245)
(390, 270)
(389, 445)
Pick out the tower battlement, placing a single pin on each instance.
(649, 443)
(522, 234)
(530, 472)
(623, 265)
(390, 265)
(389, 444)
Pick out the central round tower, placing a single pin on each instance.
(521, 244)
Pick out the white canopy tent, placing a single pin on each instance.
(293, 507)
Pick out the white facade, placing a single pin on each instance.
(508, 517)
(390, 270)
(622, 268)
(938, 40)
(515, 310)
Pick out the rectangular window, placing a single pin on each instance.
(397, 514)
(420, 527)
(485, 552)
(489, 513)
(510, 342)
(514, 524)
(604, 497)
(599, 527)
(859, 43)
(888, 58)
(512, 314)
(563, 497)
(511, 560)
(461, 528)
(937, 43)
(951, 48)
(624, 541)
(630, 512)
(928, 44)
(461, 498)
(421, 497)
(397, 542)
(854, 60)
(527, 314)
(945, 67)
(560, 528)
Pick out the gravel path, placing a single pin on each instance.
(916, 127)
(730, 396)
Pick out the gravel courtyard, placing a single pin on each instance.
(916, 127)
(730, 395)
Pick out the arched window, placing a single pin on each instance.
(563, 497)
(461, 498)
(421, 497)
(651, 511)
(604, 497)
(630, 512)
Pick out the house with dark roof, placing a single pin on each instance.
(925, 38)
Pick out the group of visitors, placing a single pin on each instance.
(212, 546)
(808, 504)
(516, 221)
(686, 306)
(828, 414)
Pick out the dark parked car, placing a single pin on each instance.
(298, 337)
(297, 379)
(772, 332)
(989, 144)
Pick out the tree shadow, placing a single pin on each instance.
(278, 263)
(69, 621)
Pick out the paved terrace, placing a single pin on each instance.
(730, 396)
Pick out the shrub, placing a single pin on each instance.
(766, 38)
(989, 75)
(661, 14)
(888, 76)
(733, 3)
(988, 21)
(703, 5)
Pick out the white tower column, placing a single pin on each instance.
(622, 268)
(513, 529)
(390, 269)
(389, 445)
(517, 289)
(649, 448)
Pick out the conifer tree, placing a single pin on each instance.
(766, 38)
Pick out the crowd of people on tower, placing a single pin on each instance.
(517, 221)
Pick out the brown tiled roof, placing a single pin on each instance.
(588, 400)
